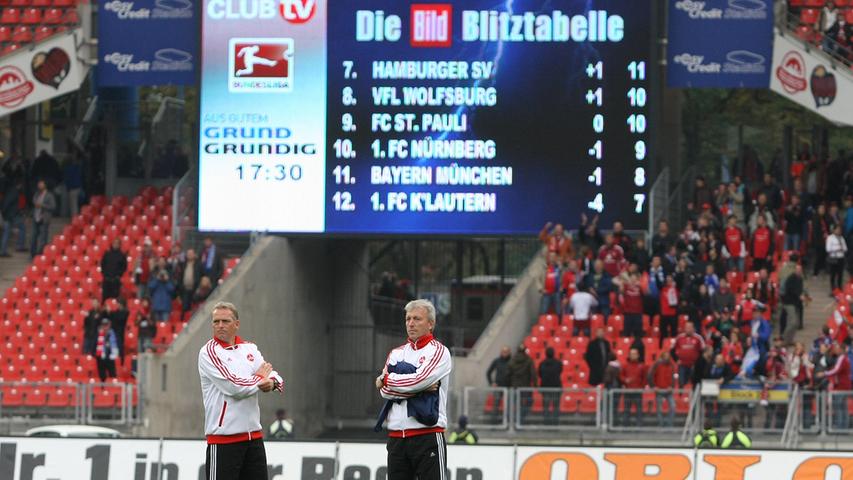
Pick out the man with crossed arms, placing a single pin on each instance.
(232, 373)
(416, 450)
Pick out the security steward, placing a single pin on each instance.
(463, 435)
(707, 438)
(736, 438)
(417, 449)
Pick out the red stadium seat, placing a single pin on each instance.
(5, 33)
(22, 34)
(60, 398)
(54, 16)
(10, 16)
(10, 48)
(12, 397)
(809, 16)
(848, 16)
(31, 16)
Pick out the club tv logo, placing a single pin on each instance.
(260, 65)
(14, 87)
(823, 86)
(792, 72)
(431, 25)
(292, 11)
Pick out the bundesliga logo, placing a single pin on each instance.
(260, 65)
(431, 25)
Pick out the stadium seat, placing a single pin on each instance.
(848, 16)
(22, 34)
(809, 16)
(5, 33)
(10, 16)
(12, 397)
(60, 398)
(54, 16)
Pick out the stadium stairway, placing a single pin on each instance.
(818, 311)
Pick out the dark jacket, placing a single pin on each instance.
(597, 353)
(113, 263)
(9, 206)
(793, 290)
(180, 268)
(423, 406)
(602, 287)
(521, 372)
(500, 369)
(549, 373)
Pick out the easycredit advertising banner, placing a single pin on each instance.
(720, 43)
(147, 42)
(100, 459)
(807, 80)
(49, 70)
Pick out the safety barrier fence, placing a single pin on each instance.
(777, 409)
(79, 403)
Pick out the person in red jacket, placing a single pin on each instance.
(688, 348)
(732, 351)
(633, 375)
(550, 289)
(557, 241)
(631, 296)
(662, 379)
(613, 257)
(734, 248)
(668, 310)
(839, 385)
(761, 246)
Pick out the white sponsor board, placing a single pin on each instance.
(35, 74)
(97, 459)
(810, 81)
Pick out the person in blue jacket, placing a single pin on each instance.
(161, 290)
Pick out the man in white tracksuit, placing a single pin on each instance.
(232, 373)
(416, 450)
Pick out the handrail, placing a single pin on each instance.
(790, 435)
(692, 415)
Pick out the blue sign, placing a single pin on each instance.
(720, 43)
(147, 42)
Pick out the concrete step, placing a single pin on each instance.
(818, 310)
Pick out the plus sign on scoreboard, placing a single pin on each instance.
(380, 116)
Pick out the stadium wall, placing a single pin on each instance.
(509, 326)
(290, 294)
(102, 459)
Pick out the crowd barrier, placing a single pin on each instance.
(762, 411)
(139, 459)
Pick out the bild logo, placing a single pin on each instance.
(260, 65)
(431, 25)
(792, 72)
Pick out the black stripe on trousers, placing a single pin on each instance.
(236, 461)
(423, 457)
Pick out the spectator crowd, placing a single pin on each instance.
(718, 300)
(166, 288)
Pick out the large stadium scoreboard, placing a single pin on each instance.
(381, 116)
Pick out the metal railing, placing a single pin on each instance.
(557, 408)
(638, 409)
(79, 403)
(791, 433)
(694, 415)
(837, 418)
(487, 408)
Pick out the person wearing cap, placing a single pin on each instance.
(736, 438)
(462, 434)
(106, 350)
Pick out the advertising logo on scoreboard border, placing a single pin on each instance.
(431, 25)
(260, 65)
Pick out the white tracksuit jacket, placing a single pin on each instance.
(229, 387)
(433, 363)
